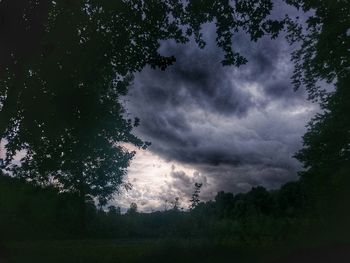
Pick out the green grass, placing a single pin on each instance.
(151, 251)
(86, 251)
(120, 251)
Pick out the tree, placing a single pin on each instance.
(224, 204)
(60, 105)
(105, 42)
(291, 199)
(132, 209)
(324, 57)
(323, 54)
(175, 204)
(113, 211)
(326, 152)
(260, 200)
(195, 196)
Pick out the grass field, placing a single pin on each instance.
(177, 250)
(108, 251)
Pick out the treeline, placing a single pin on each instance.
(256, 217)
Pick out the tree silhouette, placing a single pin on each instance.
(324, 57)
(326, 152)
(60, 105)
(113, 211)
(224, 203)
(195, 196)
(323, 54)
(175, 204)
(291, 199)
(132, 209)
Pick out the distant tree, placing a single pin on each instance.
(175, 204)
(132, 209)
(259, 198)
(166, 205)
(291, 199)
(195, 196)
(240, 209)
(113, 211)
(224, 203)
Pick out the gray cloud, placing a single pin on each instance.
(238, 127)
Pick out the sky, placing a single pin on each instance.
(226, 127)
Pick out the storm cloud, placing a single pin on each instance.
(236, 127)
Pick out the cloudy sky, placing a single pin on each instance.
(228, 128)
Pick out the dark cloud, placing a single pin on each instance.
(183, 184)
(197, 80)
(238, 127)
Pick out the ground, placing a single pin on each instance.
(176, 250)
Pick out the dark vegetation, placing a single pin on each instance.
(75, 58)
(257, 216)
(258, 226)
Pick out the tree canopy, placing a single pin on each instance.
(59, 103)
(324, 45)
(324, 57)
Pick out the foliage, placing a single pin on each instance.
(324, 51)
(60, 105)
(324, 57)
(195, 196)
(326, 155)
(33, 212)
(132, 209)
